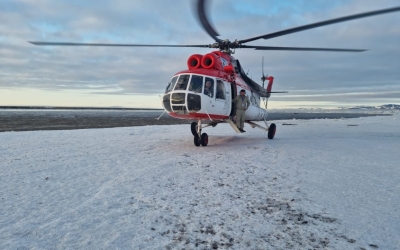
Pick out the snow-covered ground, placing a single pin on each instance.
(319, 184)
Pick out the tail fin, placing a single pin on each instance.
(269, 87)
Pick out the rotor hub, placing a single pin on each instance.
(226, 46)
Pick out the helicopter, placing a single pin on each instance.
(206, 90)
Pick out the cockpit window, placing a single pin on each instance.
(209, 87)
(182, 82)
(171, 84)
(220, 90)
(196, 84)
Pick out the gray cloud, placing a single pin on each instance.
(323, 76)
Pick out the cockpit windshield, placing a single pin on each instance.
(182, 82)
(171, 84)
(196, 84)
(193, 83)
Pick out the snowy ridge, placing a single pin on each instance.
(385, 106)
(325, 184)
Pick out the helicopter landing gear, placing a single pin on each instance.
(193, 128)
(271, 131)
(204, 139)
(199, 138)
(271, 128)
(196, 140)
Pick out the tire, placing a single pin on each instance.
(196, 140)
(204, 140)
(193, 128)
(271, 131)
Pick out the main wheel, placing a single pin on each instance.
(204, 139)
(271, 131)
(196, 140)
(193, 128)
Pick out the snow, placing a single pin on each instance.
(319, 184)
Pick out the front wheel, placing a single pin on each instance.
(204, 139)
(271, 131)
(193, 128)
(196, 140)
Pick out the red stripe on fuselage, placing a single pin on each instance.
(195, 116)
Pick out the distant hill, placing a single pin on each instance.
(75, 108)
(385, 106)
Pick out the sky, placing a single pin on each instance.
(137, 77)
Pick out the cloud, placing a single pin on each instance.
(146, 71)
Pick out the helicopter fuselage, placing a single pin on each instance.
(206, 90)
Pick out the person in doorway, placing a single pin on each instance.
(242, 104)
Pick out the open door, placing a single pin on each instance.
(233, 95)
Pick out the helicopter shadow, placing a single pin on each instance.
(239, 141)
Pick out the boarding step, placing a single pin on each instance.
(233, 125)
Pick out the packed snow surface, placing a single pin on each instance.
(324, 184)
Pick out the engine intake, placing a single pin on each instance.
(212, 60)
(194, 61)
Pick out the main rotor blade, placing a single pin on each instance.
(202, 16)
(277, 92)
(262, 67)
(300, 48)
(114, 45)
(319, 24)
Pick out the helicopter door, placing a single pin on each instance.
(223, 98)
(233, 95)
(209, 96)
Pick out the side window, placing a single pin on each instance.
(182, 82)
(253, 99)
(171, 84)
(220, 90)
(196, 84)
(209, 87)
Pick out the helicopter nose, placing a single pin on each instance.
(182, 103)
(178, 101)
(194, 103)
(178, 98)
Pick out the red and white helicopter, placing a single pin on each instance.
(186, 96)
